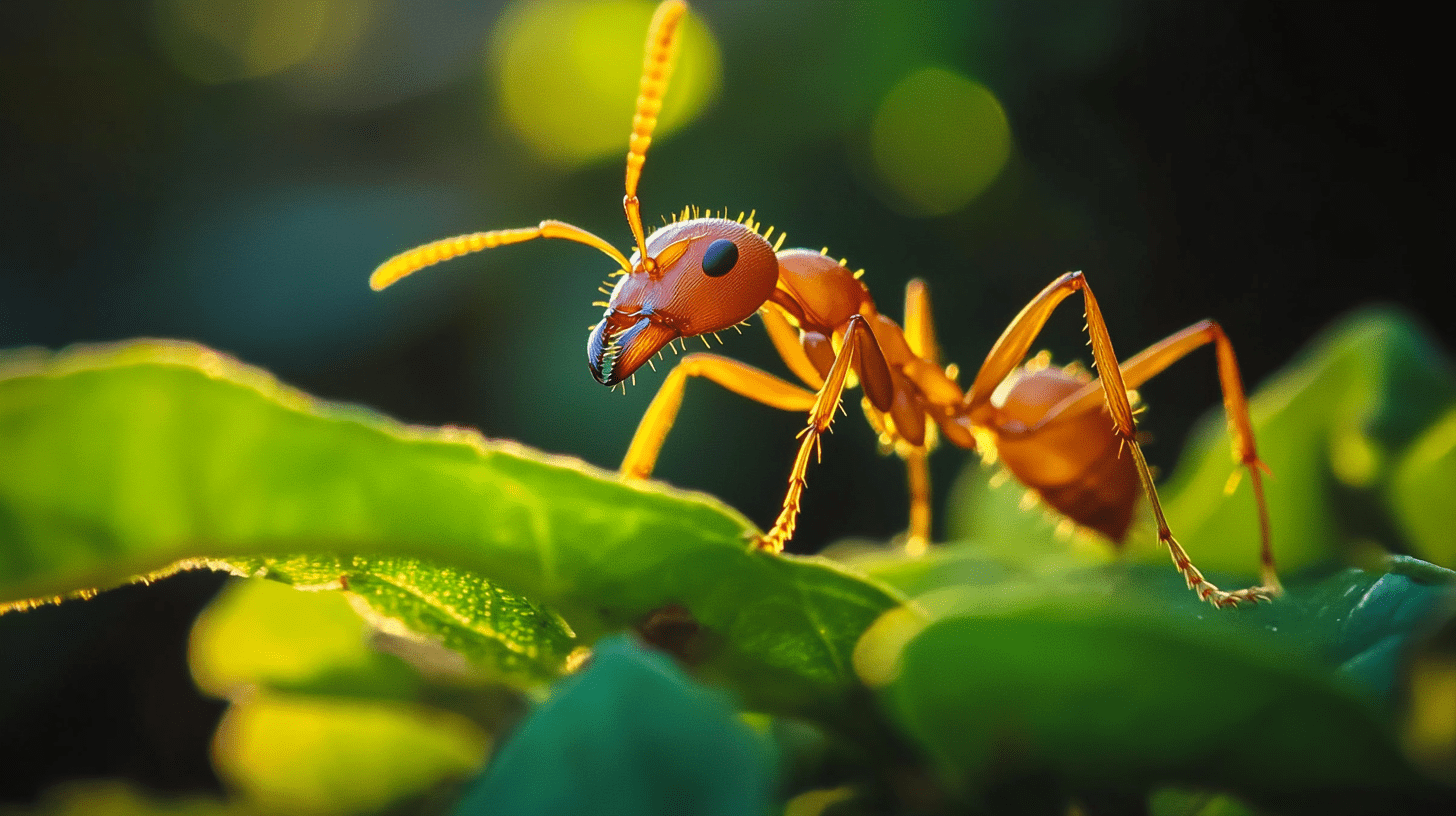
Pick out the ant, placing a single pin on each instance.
(700, 275)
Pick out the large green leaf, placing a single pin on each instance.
(124, 460)
(1334, 428)
(1113, 695)
(1361, 624)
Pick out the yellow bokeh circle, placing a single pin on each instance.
(566, 75)
(246, 39)
(938, 140)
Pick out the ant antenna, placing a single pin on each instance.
(656, 70)
(411, 261)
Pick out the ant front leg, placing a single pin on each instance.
(874, 373)
(1012, 347)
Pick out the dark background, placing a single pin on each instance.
(1269, 164)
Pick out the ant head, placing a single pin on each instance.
(700, 276)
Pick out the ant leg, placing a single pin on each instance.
(786, 342)
(859, 345)
(917, 539)
(735, 376)
(920, 336)
(919, 328)
(1011, 348)
(1151, 362)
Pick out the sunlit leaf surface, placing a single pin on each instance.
(262, 634)
(495, 629)
(123, 460)
(1004, 690)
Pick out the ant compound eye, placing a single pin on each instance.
(718, 261)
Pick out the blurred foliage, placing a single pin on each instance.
(120, 799)
(291, 754)
(1350, 422)
(262, 633)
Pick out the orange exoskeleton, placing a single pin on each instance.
(1070, 439)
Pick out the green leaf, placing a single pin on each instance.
(492, 628)
(321, 722)
(630, 735)
(126, 460)
(1333, 428)
(1109, 681)
(1422, 492)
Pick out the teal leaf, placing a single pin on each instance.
(631, 735)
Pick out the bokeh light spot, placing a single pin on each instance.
(938, 140)
(1430, 730)
(303, 754)
(244, 39)
(266, 630)
(566, 75)
(1354, 458)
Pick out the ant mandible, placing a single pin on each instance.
(699, 275)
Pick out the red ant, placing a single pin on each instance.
(699, 275)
